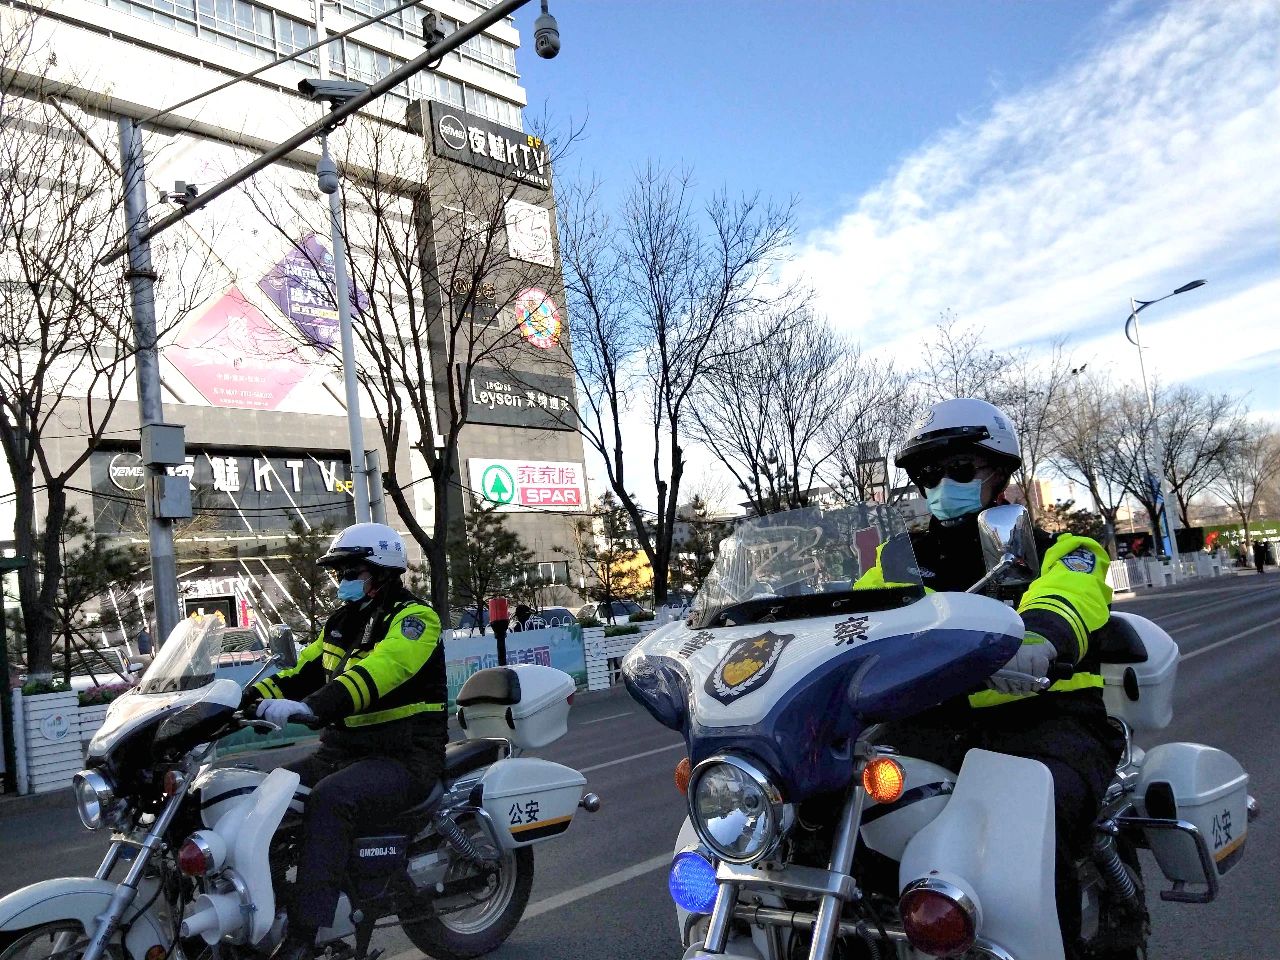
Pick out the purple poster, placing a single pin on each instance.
(300, 286)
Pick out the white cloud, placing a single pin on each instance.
(1152, 161)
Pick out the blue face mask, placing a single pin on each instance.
(951, 499)
(350, 591)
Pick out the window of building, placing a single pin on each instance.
(177, 15)
(237, 24)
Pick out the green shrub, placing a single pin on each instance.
(641, 617)
(620, 631)
(36, 687)
(588, 621)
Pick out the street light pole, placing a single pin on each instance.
(1170, 518)
(327, 174)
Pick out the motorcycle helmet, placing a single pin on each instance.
(373, 543)
(962, 425)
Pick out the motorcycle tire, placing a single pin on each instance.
(36, 942)
(461, 935)
(1141, 917)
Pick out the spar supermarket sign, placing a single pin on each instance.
(511, 485)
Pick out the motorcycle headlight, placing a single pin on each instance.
(735, 810)
(95, 798)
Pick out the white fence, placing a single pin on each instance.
(1139, 572)
(604, 654)
(53, 732)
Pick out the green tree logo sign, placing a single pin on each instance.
(497, 485)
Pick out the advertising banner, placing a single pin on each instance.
(529, 233)
(513, 485)
(514, 398)
(235, 357)
(301, 286)
(559, 647)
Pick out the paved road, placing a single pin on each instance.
(600, 891)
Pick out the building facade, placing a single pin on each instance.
(248, 356)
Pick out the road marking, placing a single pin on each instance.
(596, 886)
(614, 716)
(634, 756)
(577, 893)
(1236, 597)
(1231, 639)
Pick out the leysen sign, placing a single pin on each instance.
(518, 399)
(514, 485)
(489, 146)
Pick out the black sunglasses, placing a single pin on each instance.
(353, 573)
(961, 471)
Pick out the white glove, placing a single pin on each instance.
(1032, 660)
(279, 711)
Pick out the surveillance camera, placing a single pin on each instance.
(333, 92)
(546, 36)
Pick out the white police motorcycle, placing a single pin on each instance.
(805, 838)
(203, 855)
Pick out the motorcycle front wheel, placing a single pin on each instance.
(473, 923)
(59, 940)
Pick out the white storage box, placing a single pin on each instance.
(1210, 789)
(526, 703)
(1141, 694)
(529, 799)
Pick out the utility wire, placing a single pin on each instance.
(275, 63)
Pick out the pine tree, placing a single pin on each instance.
(487, 558)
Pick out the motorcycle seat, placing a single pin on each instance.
(416, 817)
(463, 756)
(498, 685)
(1118, 642)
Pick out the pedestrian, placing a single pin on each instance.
(1259, 555)
(524, 613)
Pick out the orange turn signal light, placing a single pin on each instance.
(683, 771)
(884, 779)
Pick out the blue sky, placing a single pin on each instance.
(1028, 165)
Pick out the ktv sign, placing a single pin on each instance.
(477, 142)
(514, 485)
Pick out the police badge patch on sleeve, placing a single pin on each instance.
(412, 627)
(1080, 560)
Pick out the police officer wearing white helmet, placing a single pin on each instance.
(961, 457)
(375, 678)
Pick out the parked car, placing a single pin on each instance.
(547, 617)
(623, 611)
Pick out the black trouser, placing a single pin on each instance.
(1074, 741)
(348, 794)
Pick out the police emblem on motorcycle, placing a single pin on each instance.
(747, 666)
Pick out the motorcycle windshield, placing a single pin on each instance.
(187, 658)
(794, 564)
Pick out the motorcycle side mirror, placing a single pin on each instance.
(1008, 547)
(195, 724)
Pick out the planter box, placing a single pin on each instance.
(51, 724)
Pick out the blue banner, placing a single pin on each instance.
(559, 647)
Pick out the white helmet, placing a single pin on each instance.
(373, 543)
(960, 425)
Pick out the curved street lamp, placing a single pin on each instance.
(1170, 521)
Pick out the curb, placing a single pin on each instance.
(22, 803)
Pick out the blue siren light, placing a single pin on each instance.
(692, 882)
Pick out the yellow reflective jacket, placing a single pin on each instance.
(374, 665)
(1066, 604)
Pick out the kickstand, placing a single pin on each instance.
(364, 933)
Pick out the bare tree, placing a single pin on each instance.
(1252, 461)
(1084, 448)
(958, 363)
(437, 294)
(1199, 431)
(65, 336)
(867, 427)
(653, 294)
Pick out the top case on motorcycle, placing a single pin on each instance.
(1118, 642)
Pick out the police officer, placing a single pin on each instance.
(961, 458)
(375, 677)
